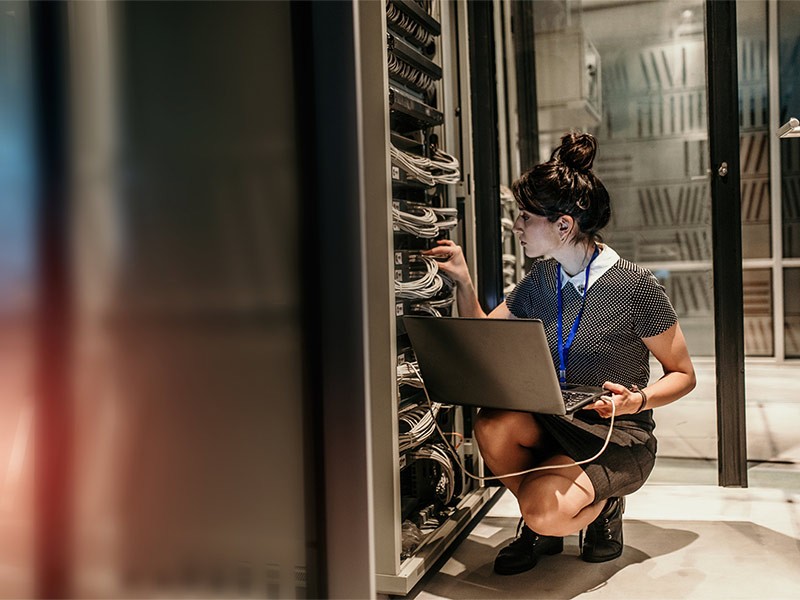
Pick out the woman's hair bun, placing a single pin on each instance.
(577, 151)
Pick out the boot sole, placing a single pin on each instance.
(591, 559)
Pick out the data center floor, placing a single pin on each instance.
(688, 428)
(684, 538)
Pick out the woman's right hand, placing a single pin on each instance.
(450, 258)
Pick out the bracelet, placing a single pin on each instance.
(643, 406)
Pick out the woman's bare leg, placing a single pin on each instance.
(558, 502)
(509, 441)
(554, 502)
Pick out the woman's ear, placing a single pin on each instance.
(565, 224)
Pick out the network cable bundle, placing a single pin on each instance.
(407, 374)
(429, 477)
(436, 478)
(422, 281)
(440, 168)
(416, 421)
(420, 287)
(422, 220)
(421, 214)
(446, 485)
(409, 28)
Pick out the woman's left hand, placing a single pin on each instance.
(626, 402)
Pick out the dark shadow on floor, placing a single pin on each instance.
(682, 559)
(555, 577)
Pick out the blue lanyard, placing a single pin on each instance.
(563, 347)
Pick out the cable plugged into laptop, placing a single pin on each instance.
(455, 456)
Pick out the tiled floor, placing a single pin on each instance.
(682, 540)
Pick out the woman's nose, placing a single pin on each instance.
(517, 229)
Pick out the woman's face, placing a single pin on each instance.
(536, 234)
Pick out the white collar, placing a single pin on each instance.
(604, 261)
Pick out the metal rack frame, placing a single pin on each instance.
(396, 576)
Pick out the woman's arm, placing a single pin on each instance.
(670, 350)
(450, 258)
(467, 298)
(501, 312)
(679, 379)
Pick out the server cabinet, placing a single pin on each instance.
(415, 106)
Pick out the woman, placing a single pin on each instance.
(612, 314)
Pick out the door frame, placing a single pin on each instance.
(726, 232)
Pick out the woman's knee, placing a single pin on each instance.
(546, 509)
(498, 428)
(543, 514)
(486, 424)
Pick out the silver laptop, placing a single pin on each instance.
(494, 363)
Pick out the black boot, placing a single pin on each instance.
(603, 539)
(523, 553)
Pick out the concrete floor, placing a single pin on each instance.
(682, 540)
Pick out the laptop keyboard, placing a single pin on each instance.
(573, 398)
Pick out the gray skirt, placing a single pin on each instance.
(625, 464)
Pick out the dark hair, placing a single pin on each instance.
(566, 185)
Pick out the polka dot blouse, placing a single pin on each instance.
(625, 304)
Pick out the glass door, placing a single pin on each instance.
(634, 75)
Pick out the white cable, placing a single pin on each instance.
(448, 217)
(518, 473)
(410, 75)
(413, 165)
(442, 168)
(407, 374)
(425, 308)
(507, 196)
(426, 216)
(428, 223)
(510, 258)
(423, 225)
(427, 286)
(420, 422)
(444, 161)
(443, 303)
(436, 453)
(417, 33)
(431, 307)
(417, 419)
(444, 211)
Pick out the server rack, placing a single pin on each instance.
(415, 103)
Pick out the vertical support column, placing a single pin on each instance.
(374, 137)
(723, 119)
(775, 182)
(333, 251)
(503, 104)
(525, 53)
(480, 17)
(53, 495)
(313, 421)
